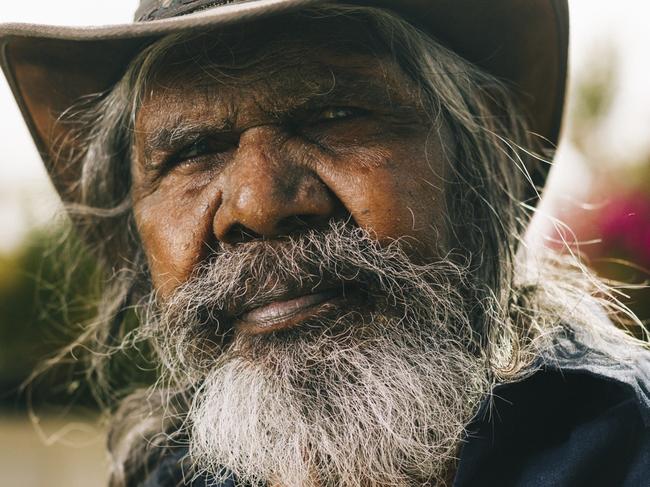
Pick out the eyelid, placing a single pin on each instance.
(175, 157)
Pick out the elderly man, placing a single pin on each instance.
(317, 211)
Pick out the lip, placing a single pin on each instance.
(284, 314)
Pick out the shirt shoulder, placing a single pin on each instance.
(610, 356)
(580, 420)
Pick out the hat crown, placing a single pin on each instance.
(164, 9)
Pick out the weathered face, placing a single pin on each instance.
(264, 150)
(270, 185)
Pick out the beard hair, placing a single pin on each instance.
(380, 395)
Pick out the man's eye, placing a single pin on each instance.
(202, 147)
(199, 148)
(338, 113)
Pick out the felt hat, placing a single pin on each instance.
(49, 68)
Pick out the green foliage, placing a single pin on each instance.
(49, 288)
(42, 306)
(594, 99)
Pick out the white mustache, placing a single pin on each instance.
(234, 281)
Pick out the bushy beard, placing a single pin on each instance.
(375, 394)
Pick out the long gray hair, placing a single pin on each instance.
(523, 294)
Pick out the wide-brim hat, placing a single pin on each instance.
(49, 68)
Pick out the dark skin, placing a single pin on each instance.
(271, 152)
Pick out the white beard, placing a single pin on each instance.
(386, 410)
(379, 396)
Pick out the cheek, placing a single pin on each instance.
(401, 197)
(175, 230)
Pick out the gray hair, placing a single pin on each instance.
(524, 294)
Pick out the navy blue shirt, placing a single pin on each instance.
(582, 419)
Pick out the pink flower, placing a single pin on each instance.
(624, 224)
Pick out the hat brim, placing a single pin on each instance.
(525, 44)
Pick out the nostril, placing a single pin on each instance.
(239, 233)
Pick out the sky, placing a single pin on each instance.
(27, 197)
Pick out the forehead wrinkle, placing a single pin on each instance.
(272, 66)
(171, 112)
(283, 90)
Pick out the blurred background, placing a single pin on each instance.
(600, 188)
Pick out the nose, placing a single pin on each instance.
(266, 194)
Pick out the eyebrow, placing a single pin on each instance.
(180, 131)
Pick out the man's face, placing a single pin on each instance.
(274, 149)
(290, 201)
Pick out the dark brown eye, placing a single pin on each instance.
(205, 146)
(338, 113)
(199, 148)
(334, 113)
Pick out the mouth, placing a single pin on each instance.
(287, 312)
